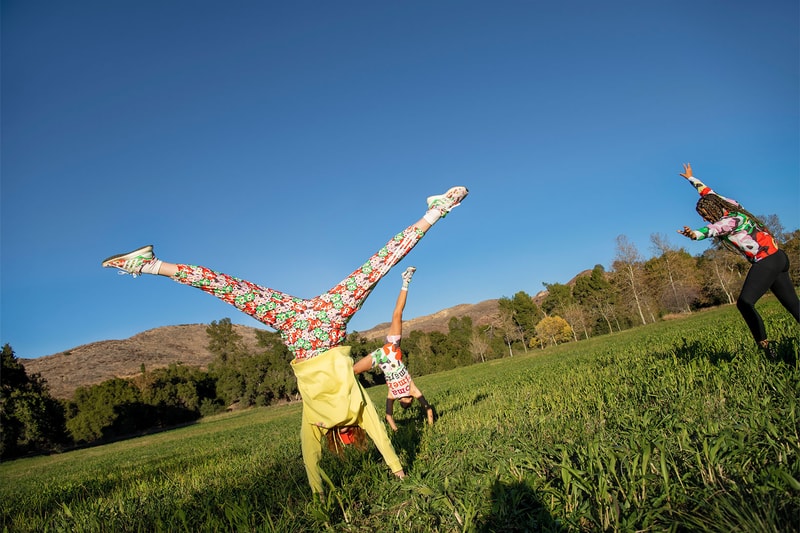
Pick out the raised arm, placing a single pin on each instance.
(701, 187)
(396, 328)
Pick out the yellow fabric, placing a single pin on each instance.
(332, 396)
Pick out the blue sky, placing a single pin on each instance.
(285, 142)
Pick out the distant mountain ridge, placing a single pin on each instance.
(96, 362)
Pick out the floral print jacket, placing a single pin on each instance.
(738, 229)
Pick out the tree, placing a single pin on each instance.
(442, 357)
(792, 249)
(419, 353)
(458, 338)
(478, 345)
(110, 409)
(776, 229)
(594, 293)
(229, 349)
(721, 273)
(278, 381)
(179, 393)
(673, 275)
(576, 318)
(223, 341)
(523, 313)
(630, 276)
(560, 301)
(247, 378)
(553, 330)
(30, 419)
(504, 323)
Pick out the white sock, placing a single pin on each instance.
(152, 267)
(432, 216)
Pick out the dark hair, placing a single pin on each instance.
(336, 444)
(406, 405)
(713, 207)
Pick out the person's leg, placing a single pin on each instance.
(272, 308)
(304, 328)
(269, 306)
(759, 279)
(783, 289)
(308, 327)
(342, 301)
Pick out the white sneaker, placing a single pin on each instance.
(131, 262)
(447, 201)
(407, 275)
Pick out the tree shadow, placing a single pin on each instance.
(517, 507)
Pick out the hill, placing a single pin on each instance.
(481, 313)
(96, 362)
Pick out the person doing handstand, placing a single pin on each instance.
(312, 329)
(741, 231)
(390, 360)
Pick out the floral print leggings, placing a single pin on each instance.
(307, 326)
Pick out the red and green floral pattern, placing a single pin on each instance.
(307, 326)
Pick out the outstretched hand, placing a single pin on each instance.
(687, 231)
(687, 171)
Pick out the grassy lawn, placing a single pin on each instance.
(680, 425)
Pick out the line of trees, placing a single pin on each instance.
(634, 292)
(34, 422)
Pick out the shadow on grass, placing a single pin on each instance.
(410, 429)
(516, 507)
(475, 400)
(689, 350)
(408, 436)
(786, 350)
(686, 351)
(277, 498)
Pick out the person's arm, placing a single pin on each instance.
(364, 364)
(725, 226)
(390, 413)
(426, 407)
(311, 446)
(692, 234)
(701, 187)
(396, 328)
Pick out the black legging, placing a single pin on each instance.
(771, 273)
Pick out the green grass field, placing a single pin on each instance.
(678, 426)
